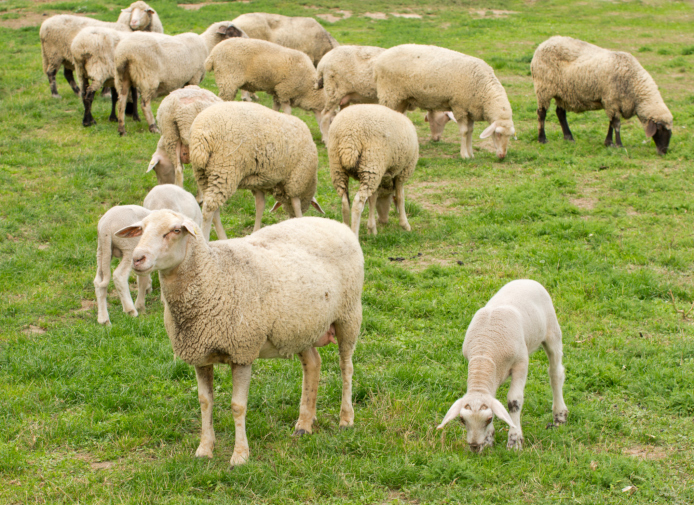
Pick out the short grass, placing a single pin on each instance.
(99, 415)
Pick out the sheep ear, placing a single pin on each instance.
(452, 413)
(651, 128)
(451, 116)
(501, 413)
(316, 205)
(426, 118)
(150, 11)
(190, 227)
(153, 163)
(488, 131)
(277, 205)
(126, 10)
(134, 230)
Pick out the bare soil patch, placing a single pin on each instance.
(376, 15)
(407, 15)
(33, 330)
(583, 203)
(492, 13)
(86, 306)
(334, 18)
(24, 19)
(429, 194)
(648, 452)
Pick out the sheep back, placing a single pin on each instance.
(349, 69)
(93, 50)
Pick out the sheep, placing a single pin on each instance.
(158, 64)
(434, 78)
(246, 145)
(303, 34)
(278, 292)
(57, 33)
(581, 77)
(258, 65)
(515, 322)
(379, 148)
(109, 245)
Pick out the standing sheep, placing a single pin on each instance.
(581, 77)
(248, 146)
(275, 293)
(57, 33)
(257, 65)
(379, 148)
(438, 79)
(158, 64)
(303, 34)
(517, 320)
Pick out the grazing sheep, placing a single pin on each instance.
(379, 148)
(434, 78)
(57, 32)
(581, 77)
(109, 246)
(517, 320)
(158, 64)
(245, 145)
(275, 293)
(303, 34)
(437, 122)
(258, 65)
(175, 115)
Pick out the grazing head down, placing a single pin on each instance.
(501, 131)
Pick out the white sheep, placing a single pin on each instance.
(438, 79)
(248, 146)
(517, 320)
(157, 64)
(278, 292)
(57, 33)
(581, 77)
(258, 65)
(303, 34)
(379, 148)
(109, 246)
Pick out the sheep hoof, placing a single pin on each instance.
(238, 459)
(569, 138)
(406, 227)
(203, 452)
(344, 427)
(561, 417)
(132, 312)
(515, 443)
(58, 97)
(121, 133)
(89, 122)
(300, 432)
(550, 426)
(113, 119)
(105, 322)
(542, 140)
(153, 128)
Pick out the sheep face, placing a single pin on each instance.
(163, 167)
(140, 18)
(437, 122)
(661, 134)
(500, 131)
(163, 242)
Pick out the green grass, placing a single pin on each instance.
(99, 415)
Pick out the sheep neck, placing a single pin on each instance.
(482, 375)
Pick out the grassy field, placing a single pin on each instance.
(98, 415)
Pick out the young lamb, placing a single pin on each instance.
(275, 293)
(257, 65)
(158, 64)
(581, 77)
(434, 78)
(303, 34)
(57, 33)
(246, 145)
(379, 148)
(517, 320)
(109, 245)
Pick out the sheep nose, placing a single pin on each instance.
(475, 448)
(138, 260)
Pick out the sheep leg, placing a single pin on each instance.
(275, 104)
(615, 123)
(561, 115)
(147, 110)
(87, 100)
(286, 108)
(207, 217)
(553, 349)
(296, 205)
(133, 92)
(519, 376)
(541, 116)
(259, 208)
(114, 104)
(120, 279)
(53, 84)
(358, 207)
(241, 377)
(205, 376)
(371, 223)
(103, 277)
(142, 284)
(383, 207)
(346, 333)
(70, 77)
(310, 362)
(122, 102)
(463, 128)
(345, 207)
(470, 127)
(400, 203)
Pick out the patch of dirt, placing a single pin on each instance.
(376, 15)
(492, 13)
(445, 26)
(648, 452)
(583, 203)
(86, 306)
(330, 18)
(406, 15)
(33, 330)
(103, 465)
(24, 19)
(43, 247)
(421, 193)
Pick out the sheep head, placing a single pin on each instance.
(500, 130)
(476, 411)
(140, 15)
(661, 133)
(437, 122)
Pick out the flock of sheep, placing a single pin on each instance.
(291, 287)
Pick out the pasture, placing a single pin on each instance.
(90, 414)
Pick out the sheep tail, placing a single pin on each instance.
(319, 83)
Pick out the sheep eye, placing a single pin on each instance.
(177, 231)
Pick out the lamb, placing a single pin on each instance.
(158, 64)
(434, 78)
(303, 34)
(57, 33)
(258, 65)
(110, 245)
(379, 148)
(246, 145)
(515, 322)
(275, 293)
(581, 77)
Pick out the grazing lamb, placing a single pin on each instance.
(379, 148)
(515, 323)
(581, 77)
(57, 33)
(258, 65)
(303, 34)
(434, 78)
(109, 246)
(158, 64)
(275, 293)
(246, 145)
